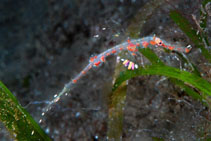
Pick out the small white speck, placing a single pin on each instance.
(176, 58)
(56, 100)
(47, 130)
(127, 82)
(77, 114)
(55, 95)
(103, 28)
(43, 114)
(122, 60)
(32, 132)
(116, 35)
(96, 137)
(136, 66)
(189, 47)
(96, 36)
(117, 59)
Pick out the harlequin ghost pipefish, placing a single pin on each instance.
(131, 46)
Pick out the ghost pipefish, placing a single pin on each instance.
(131, 46)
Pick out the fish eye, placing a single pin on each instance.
(160, 43)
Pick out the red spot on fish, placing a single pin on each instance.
(132, 45)
(187, 50)
(107, 54)
(152, 42)
(83, 72)
(165, 46)
(171, 48)
(113, 51)
(120, 48)
(92, 59)
(137, 44)
(74, 80)
(102, 58)
(97, 63)
(132, 49)
(145, 44)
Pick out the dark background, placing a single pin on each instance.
(45, 43)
